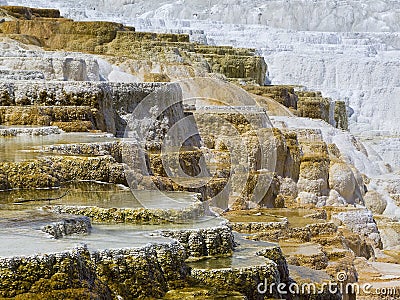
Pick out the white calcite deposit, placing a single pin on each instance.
(348, 49)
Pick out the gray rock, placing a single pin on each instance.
(375, 202)
(73, 225)
(204, 241)
(361, 222)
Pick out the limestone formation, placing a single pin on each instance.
(113, 39)
(244, 280)
(157, 111)
(285, 95)
(79, 225)
(375, 202)
(361, 222)
(204, 242)
(52, 171)
(314, 107)
(135, 216)
(341, 179)
(80, 272)
(340, 115)
(314, 172)
(36, 131)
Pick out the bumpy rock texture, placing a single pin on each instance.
(135, 216)
(146, 273)
(170, 54)
(312, 161)
(78, 225)
(204, 242)
(92, 105)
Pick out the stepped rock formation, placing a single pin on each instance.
(347, 49)
(172, 118)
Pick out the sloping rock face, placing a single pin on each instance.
(73, 106)
(307, 104)
(170, 54)
(84, 106)
(28, 13)
(78, 225)
(322, 14)
(207, 242)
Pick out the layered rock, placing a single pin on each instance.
(52, 171)
(79, 225)
(80, 272)
(135, 216)
(171, 54)
(307, 159)
(87, 105)
(38, 131)
(215, 241)
(361, 222)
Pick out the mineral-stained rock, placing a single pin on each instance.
(72, 118)
(36, 131)
(315, 261)
(114, 149)
(282, 94)
(288, 187)
(244, 280)
(314, 173)
(51, 171)
(275, 254)
(64, 33)
(293, 157)
(68, 271)
(4, 184)
(360, 221)
(313, 107)
(288, 154)
(204, 242)
(273, 107)
(304, 234)
(203, 293)
(29, 13)
(143, 52)
(389, 230)
(375, 202)
(75, 126)
(360, 246)
(314, 176)
(340, 115)
(156, 77)
(98, 102)
(254, 227)
(233, 66)
(341, 179)
(187, 161)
